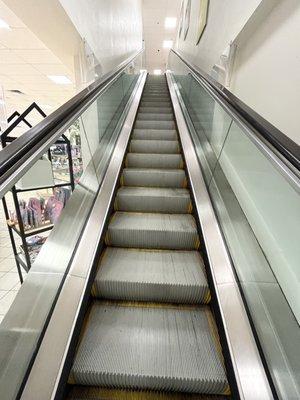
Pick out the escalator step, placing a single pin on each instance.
(158, 276)
(155, 104)
(152, 231)
(154, 348)
(137, 160)
(155, 117)
(101, 393)
(155, 134)
(162, 200)
(172, 178)
(154, 146)
(155, 110)
(154, 125)
(158, 91)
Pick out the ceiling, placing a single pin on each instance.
(25, 63)
(154, 31)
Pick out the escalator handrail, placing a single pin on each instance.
(282, 143)
(22, 148)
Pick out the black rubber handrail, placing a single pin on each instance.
(12, 156)
(282, 143)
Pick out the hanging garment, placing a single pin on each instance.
(53, 209)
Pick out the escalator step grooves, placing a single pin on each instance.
(126, 347)
(154, 146)
(161, 200)
(141, 275)
(149, 333)
(96, 393)
(155, 134)
(153, 231)
(148, 177)
(167, 161)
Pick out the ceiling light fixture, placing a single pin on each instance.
(157, 71)
(170, 22)
(167, 44)
(60, 79)
(3, 24)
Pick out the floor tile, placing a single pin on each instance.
(5, 252)
(9, 280)
(6, 301)
(3, 293)
(7, 264)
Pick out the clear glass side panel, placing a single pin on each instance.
(257, 203)
(92, 140)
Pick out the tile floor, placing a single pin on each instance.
(9, 277)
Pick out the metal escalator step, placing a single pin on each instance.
(101, 393)
(154, 134)
(155, 117)
(154, 348)
(172, 178)
(158, 91)
(143, 199)
(166, 102)
(156, 104)
(156, 276)
(156, 97)
(155, 110)
(154, 125)
(143, 160)
(152, 231)
(154, 146)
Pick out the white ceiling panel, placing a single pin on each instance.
(9, 57)
(31, 80)
(9, 17)
(18, 69)
(25, 63)
(53, 69)
(20, 38)
(37, 56)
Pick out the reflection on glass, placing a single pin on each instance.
(258, 208)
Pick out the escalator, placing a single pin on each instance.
(162, 278)
(149, 326)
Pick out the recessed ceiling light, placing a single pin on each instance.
(157, 71)
(170, 22)
(3, 24)
(167, 44)
(60, 79)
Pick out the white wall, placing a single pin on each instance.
(112, 29)
(266, 74)
(224, 21)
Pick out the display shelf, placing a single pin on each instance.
(43, 187)
(25, 258)
(32, 231)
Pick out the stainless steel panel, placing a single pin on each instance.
(248, 368)
(66, 312)
(20, 330)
